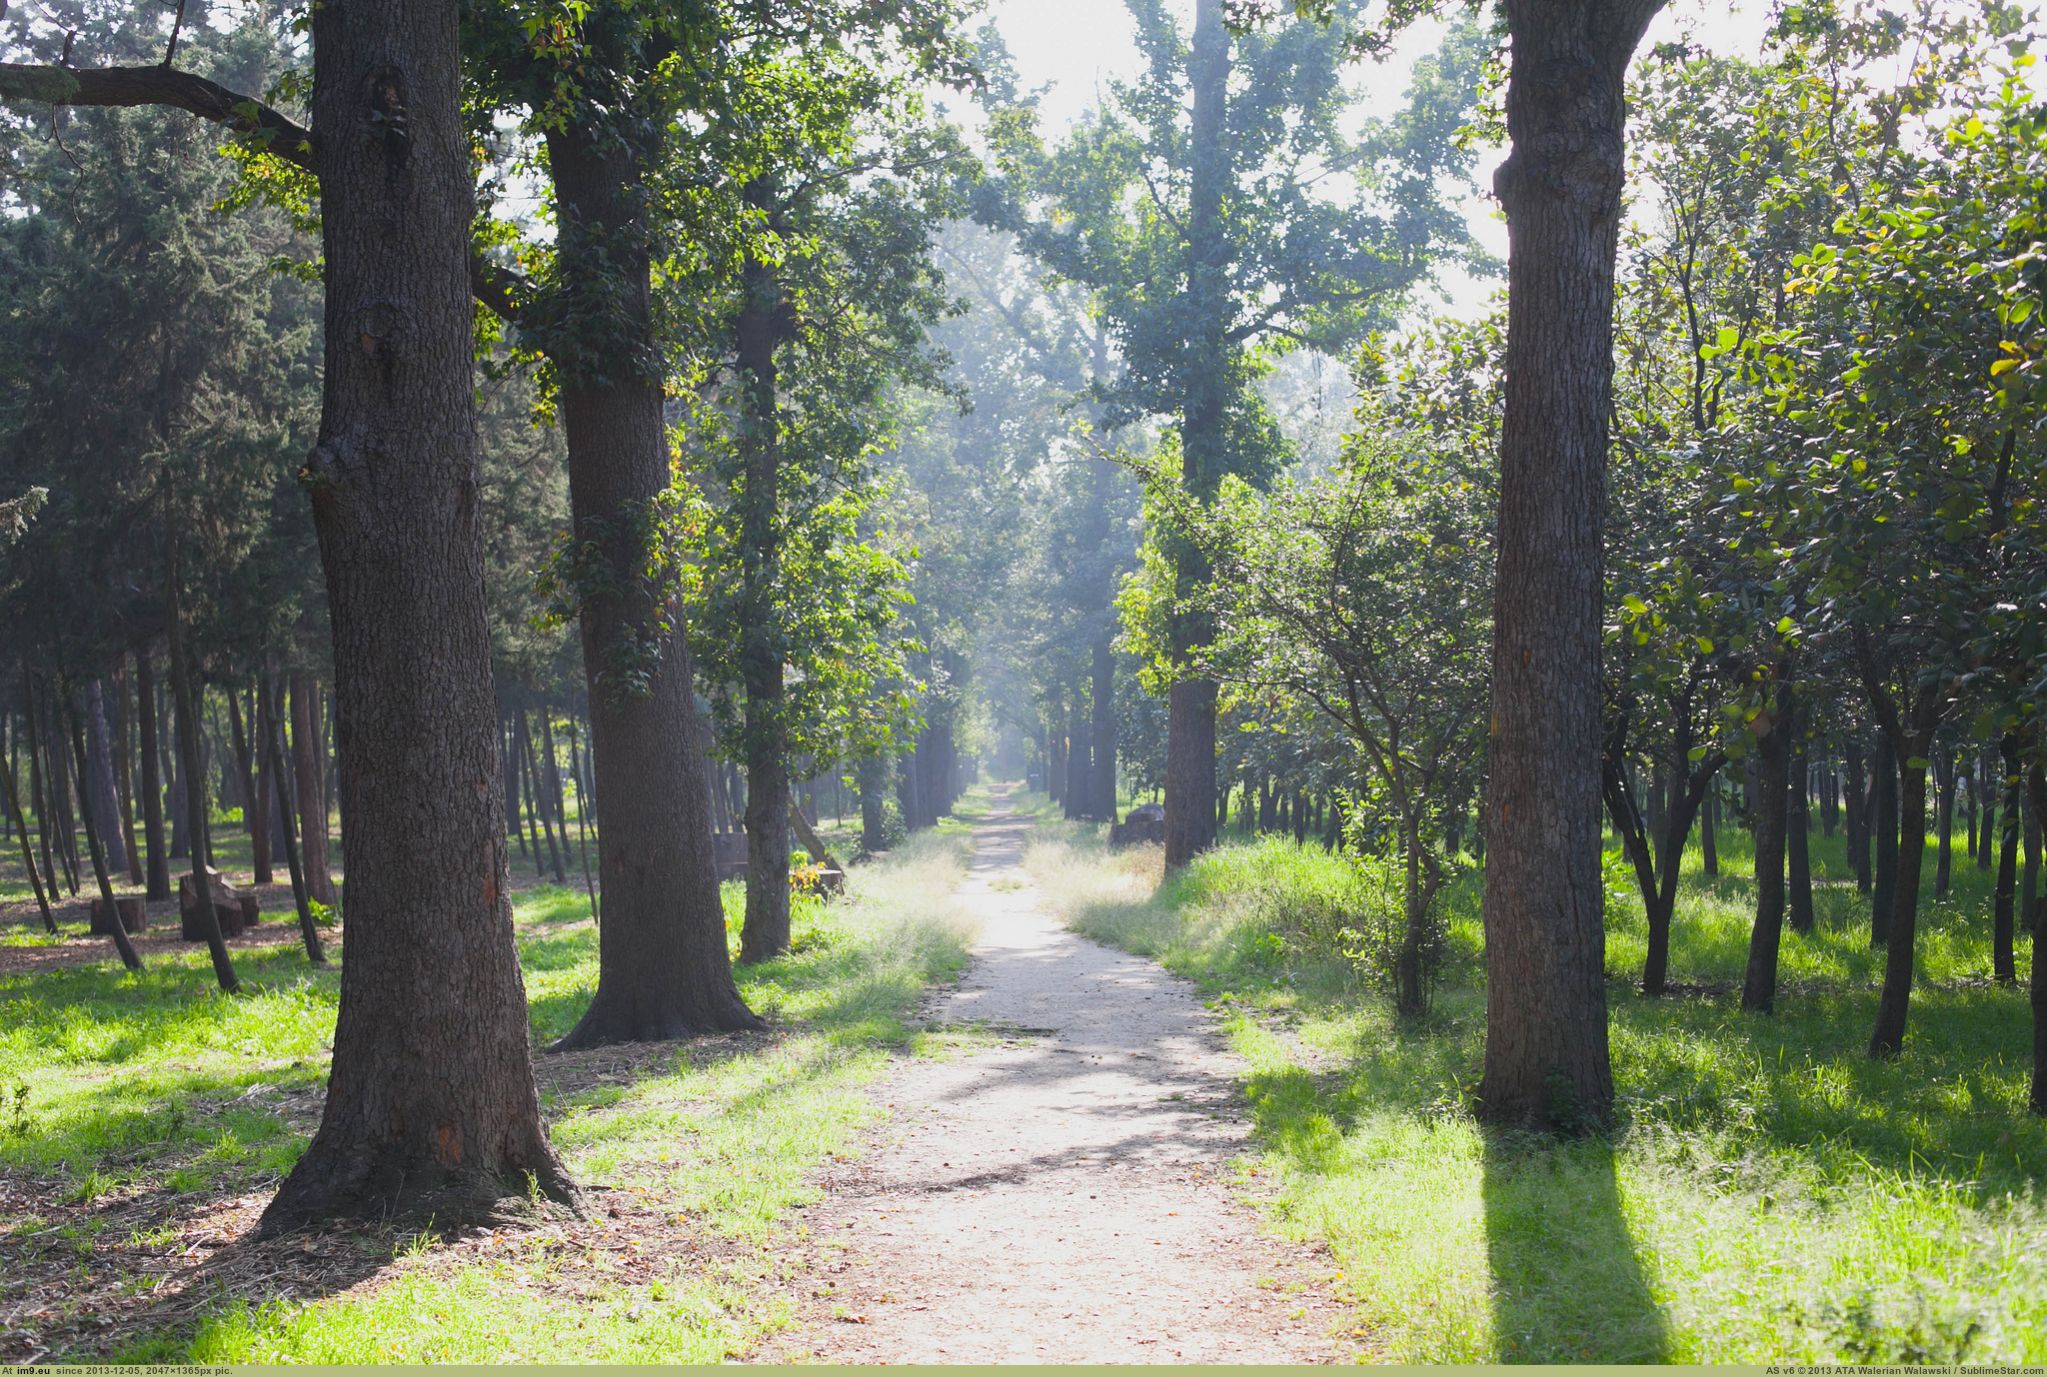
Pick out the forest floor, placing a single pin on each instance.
(1069, 1193)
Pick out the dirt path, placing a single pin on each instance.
(1062, 1197)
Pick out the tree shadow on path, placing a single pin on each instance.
(1568, 1283)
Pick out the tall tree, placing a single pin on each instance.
(1546, 1057)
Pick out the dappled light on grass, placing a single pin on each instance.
(1771, 1194)
(155, 1094)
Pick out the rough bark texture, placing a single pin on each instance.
(1546, 1058)
(431, 1106)
(264, 835)
(663, 968)
(1190, 706)
(766, 929)
(1759, 981)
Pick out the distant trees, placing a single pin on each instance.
(1217, 208)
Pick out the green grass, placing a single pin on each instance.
(137, 1086)
(1770, 1195)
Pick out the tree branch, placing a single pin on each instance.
(132, 86)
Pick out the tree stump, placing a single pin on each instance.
(233, 909)
(134, 910)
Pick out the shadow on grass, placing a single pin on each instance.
(1568, 1283)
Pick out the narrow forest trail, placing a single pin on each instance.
(1062, 1196)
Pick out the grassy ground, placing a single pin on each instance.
(145, 1119)
(1771, 1193)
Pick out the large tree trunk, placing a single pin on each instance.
(1759, 982)
(1191, 703)
(1709, 840)
(766, 929)
(159, 868)
(1546, 1057)
(308, 784)
(431, 1106)
(871, 776)
(663, 967)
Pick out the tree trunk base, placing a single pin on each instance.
(609, 1021)
(369, 1182)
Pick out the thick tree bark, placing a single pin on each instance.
(1546, 1056)
(1080, 765)
(765, 932)
(308, 786)
(159, 867)
(1191, 703)
(1773, 786)
(431, 1106)
(663, 967)
(1888, 1038)
(1709, 841)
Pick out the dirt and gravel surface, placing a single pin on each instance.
(1064, 1193)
